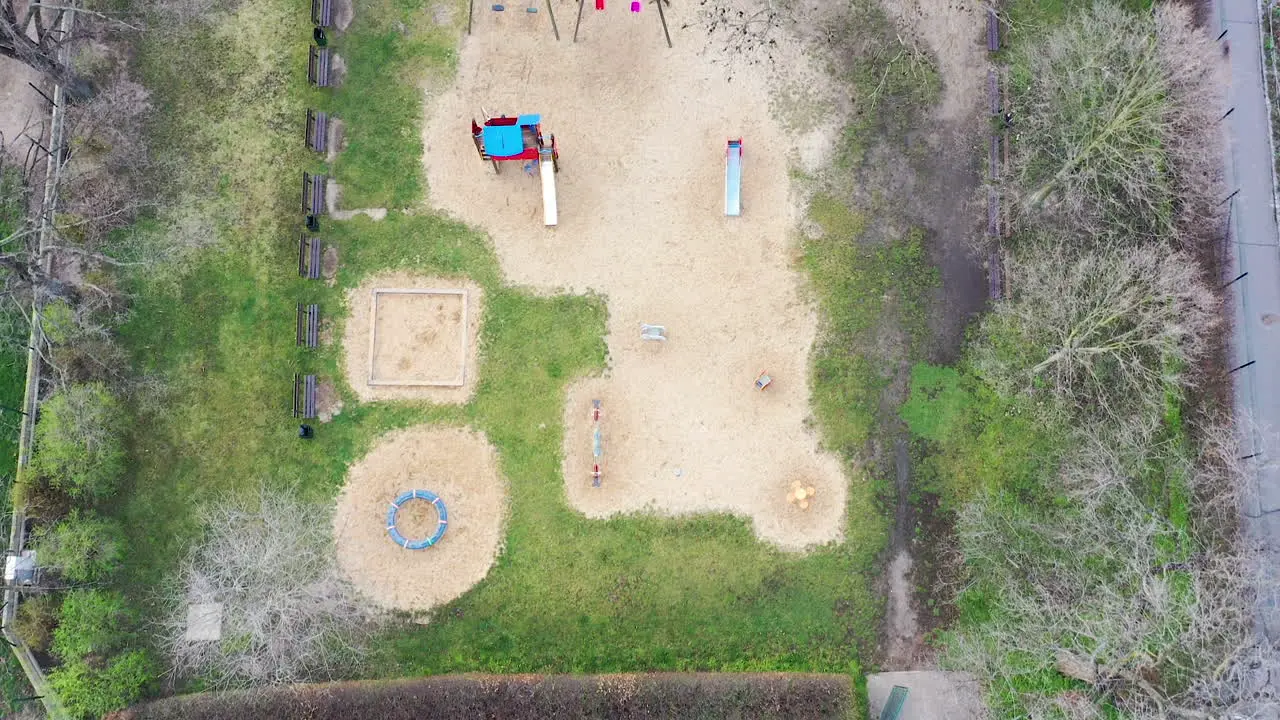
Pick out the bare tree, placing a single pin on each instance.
(1098, 330)
(1116, 123)
(33, 33)
(1155, 616)
(287, 613)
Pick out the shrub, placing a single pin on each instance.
(82, 546)
(78, 440)
(91, 692)
(92, 623)
(36, 619)
(747, 696)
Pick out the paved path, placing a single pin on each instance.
(932, 695)
(1255, 249)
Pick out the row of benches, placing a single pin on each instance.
(995, 270)
(311, 249)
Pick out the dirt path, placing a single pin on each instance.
(944, 200)
(642, 131)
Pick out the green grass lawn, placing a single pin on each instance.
(568, 594)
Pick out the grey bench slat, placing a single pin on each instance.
(993, 91)
(309, 397)
(995, 276)
(313, 326)
(316, 263)
(993, 30)
(993, 213)
(301, 326)
(995, 157)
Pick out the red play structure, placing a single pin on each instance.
(503, 139)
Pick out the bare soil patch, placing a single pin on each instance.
(642, 131)
(419, 339)
(22, 110)
(461, 467)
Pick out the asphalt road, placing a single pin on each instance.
(1254, 245)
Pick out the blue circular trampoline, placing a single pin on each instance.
(441, 513)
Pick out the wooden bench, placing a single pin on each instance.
(304, 396)
(995, 276)
(892, 709)
(313, 189)
(995, 158)
(318, 130)
(309, 256)
(993, 30)
(993, 91)
(308, 325)
(322, 12)
(319, 66)
(993, 213)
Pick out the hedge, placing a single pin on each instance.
(777, 696)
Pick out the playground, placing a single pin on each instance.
(412, 337)
(645, 220)
(449, 468)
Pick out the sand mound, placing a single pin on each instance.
(458, 465)
(416, 346)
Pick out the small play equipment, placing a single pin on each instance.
(763, 380)
(733, 178)
(597, 442)
(520, 139)
(800, 495)
(635, 5)
(657, 333)
(530, 9)
(442, 521)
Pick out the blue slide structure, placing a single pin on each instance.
(441, 512)
(733, 178)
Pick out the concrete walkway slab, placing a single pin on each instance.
(934, 695)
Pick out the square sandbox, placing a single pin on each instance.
(418, 337)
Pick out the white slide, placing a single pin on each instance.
(550, 215)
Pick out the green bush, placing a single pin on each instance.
(88, 691)
(78, 440)
(92, 623)
(35, 621)
(82, 547)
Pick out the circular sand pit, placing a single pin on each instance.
(412, 337)
(461, 468)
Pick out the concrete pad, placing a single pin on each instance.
(934, 695)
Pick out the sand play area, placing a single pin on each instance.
(461, 468)
(410, 337)
(642, 131)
